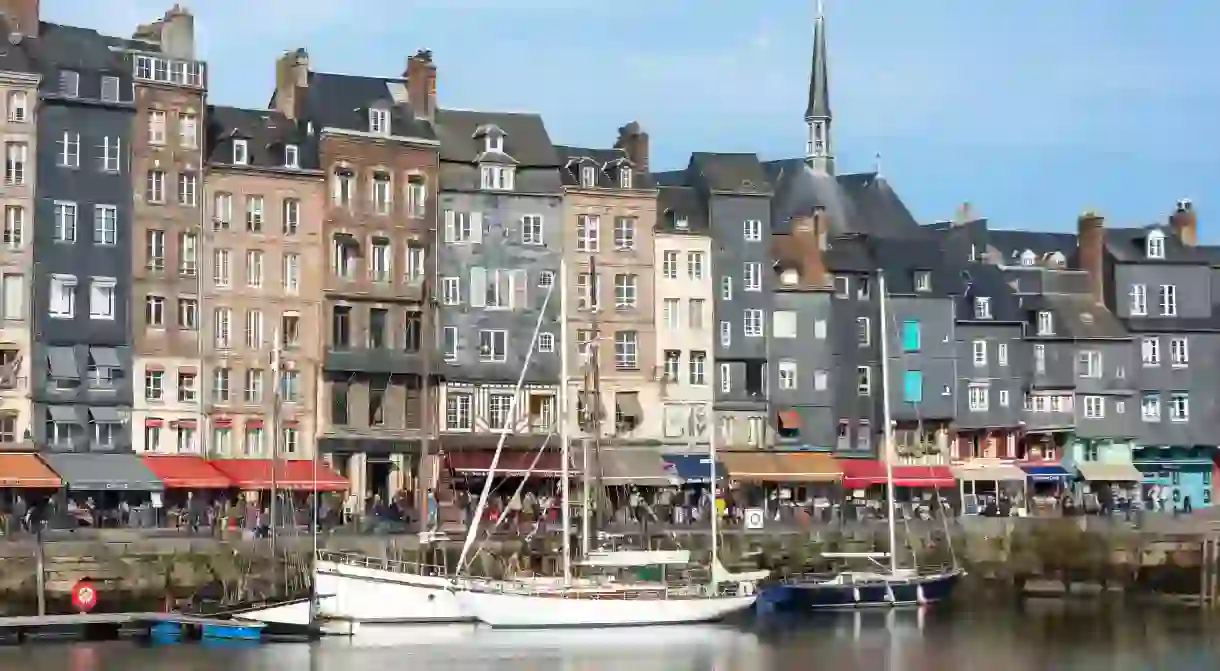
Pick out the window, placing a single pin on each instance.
(752, 230)
(977, 397)
(154, 385)
(1040, 359)
(587, 291)
(290, 330)
(497, 177)
(254, 214)
(63, 296)
(588, 176)
(101, 297)
(751, 276)
(417, 196)
(222, 325)
(290, 386)
(752, 323)
(1169, 300)
(864, 380)
(290, 273)
(14, 227)
(672, 365)
(911, 336)
(1001, 354)
(290, 215)
(1046, 323)
(105, 225)
(695, 308)
(670, 313)
(1179, 408)
(254, 386)
(292, 156)
(821, 380)
(378, 322)
(912, 386)
(698, 368)
(341, 327)
(923, 281)
(188, 182)
(156, 128)
(1150, 407)
(864, 334)
(379, 121)
(221, 271)
(499, 411)
(457, 411)
(451, 292)
(220, 385)
(254, 329)
(694, 265)
(1089, 364)
(65, 222)
(154, 187)
(69, 150)
(1150, 350)
(1156, 245)
(783, 324)
(188, 387)
(416, 269)
(188, 314)
(379, 264)
(982, 307)
(343, 257)
(343, 186)
(493, 346)
(18, 106)
(726, 288)
(188, 130)
(546, 342)
(979, 351)
(819, 329)
(1139, 300)
(222, 210)
(338, 403)
(254, 269)
(625, 291)
(110, 158)
(626, 350)
(531, 229)
(154, 250)
(1179, 354)
(726, 378)
(1094, 407)
(382, 202)
(449, 343)
(624, 177)
(787, 375)
(624, 233)
(862, 289)
(15, 156)
(154, 311)
(726, 333)
(587, 226)
(669, 264)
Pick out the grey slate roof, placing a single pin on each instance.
(734, 173)
(681, 201)
(1077, 317)
(1007, 246)
(82, 49)
(901, 259)
(525, 137)
(607, 162)
(15, 57)
(983, 280)
(343, 101)
(266, 133)
(1128, 245)
(858, 203)
(819, 75)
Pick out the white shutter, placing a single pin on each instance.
(14, 297)
(58, 304)
(478, 287)
(450, 226)
(519, 284)
(476, 227)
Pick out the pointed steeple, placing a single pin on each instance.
(817, 114)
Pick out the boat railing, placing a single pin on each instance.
(381, 563)
(922, 571)
(611, 591)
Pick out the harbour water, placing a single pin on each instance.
(1043, 637)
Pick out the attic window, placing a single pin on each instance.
(923, 281)
(292, 156)
(1028, 258)
(1057, 260)
(789, 277)
(497, 177)
(681, 222)
(1155, 245)
(1046, 323)
(379, 121)
(624, 177)
(588, 176)
(495, 143)
(241, 152)
(982, 307)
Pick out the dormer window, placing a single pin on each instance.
(495, 143)
(789, 278)
(982, 307)
(1155, 245)
(379, 121)
(923, 281)
(497, 177)
(588, 176)
(1046, 323)
(1056, 260)
(1028, 258)
(241, 152)
(681, 222)
(292, 156)
(624, 177)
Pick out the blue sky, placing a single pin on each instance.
(1031, 111)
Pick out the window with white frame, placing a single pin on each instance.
(1139, 300)
(1150, 350)
(1169, 300)
(188, 183)
(254, 329)
(460, 228)
(694, 265)
(787, 374)
(587, 232)
(154, 311)
(1003, 398)
(531, 230)
(222, 210)
(493, 346)
(156, 128)
(497, 177)
(254, 269)
(864, 332)
(1179, 407)
(241, 152)
(624, 233)
(864, 380)
(290, 439)
(254, 386)
(379, 262)
(752, 323)
(588, 176)
(726, 288)
(154, 186)
(417, 196)
(101, 297)
(982, 307)
(626, 291)
(222, 273)
(546, 342)
(65, 221)
(449, 343)
(695, 314)
(188, 314)
(669, 264)
(752, 230)
(1001, 354)
(751, 276)
(18, 106)
(14, 227)
(105, 225)
(1179, 352)
(978, 350)
(1150, 407)
(457, 411)
(292, 156)
(343, 257)
(69, 83)
(222, 327)
(726, 378)
(1046, 323)
(587, 291)
(154, 385)
(415, 266)
(379, 121)
(188, 130)
(626, 350)
(343, 187)
(254, 213)
(977, 396)
(16, 155)
(154, 250)
(451, 290)
(290, 216)
(783, 324)
(382, 202)
(821, 380)
(624, 177)
(1155, 245)
(499, 411)
(111, 154)
(291, 273)
(726, 333)
(698, 368)
(923, 281)
(670, 313)
(1089, 364)
(62, 296)
(1094, 407)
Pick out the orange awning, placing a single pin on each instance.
(294, 474)
(26, 471)
(185, 471)
(790, 419)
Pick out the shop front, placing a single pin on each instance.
(104, 490)
(26, 484)
(693, 497)
(1175, 478)
(1047, 483)
(993, 489)
(789, 487)
(920, 491)
(191, 482)
(1107, 487)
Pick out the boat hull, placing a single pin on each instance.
(912, 591)
(377, 596)
(531, 611)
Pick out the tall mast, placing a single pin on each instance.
(565, 439)
(887, 433)
(593, 405)
(276, 403)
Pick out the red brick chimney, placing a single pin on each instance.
(809, 238)
(1184, 223)
(634, 141)
(22, 16)
(1090, 240)
(421, 85)
(291, 80)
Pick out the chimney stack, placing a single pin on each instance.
(1090, 241)
(178, 33)
(634, 141)
(291, 80)
(809, 238)
(421, 85)
(22, 16)
(1184, 223)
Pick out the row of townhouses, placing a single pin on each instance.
(162, 252)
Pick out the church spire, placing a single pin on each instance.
(817, 115)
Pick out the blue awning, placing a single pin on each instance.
(1046, 473)
(692, 467)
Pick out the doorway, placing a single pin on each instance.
(377, 474)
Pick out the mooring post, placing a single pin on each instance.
(41, 569)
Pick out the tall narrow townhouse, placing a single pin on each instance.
(500, 245)
(18, 118)
(263, 286)
(167, 171)
(610, 213)
(685, 330)
(1162, 289)
(378, 150)
(855, 320)
(82, 365)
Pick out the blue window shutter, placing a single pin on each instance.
(910, 335)
(912, 386)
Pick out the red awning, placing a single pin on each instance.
(511, 463)
(185, 471)
(295, 474)
(861, 473)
